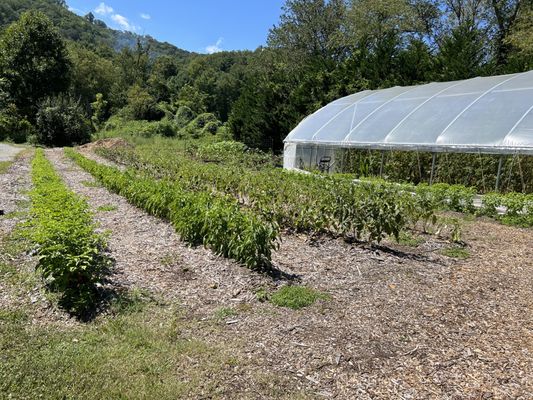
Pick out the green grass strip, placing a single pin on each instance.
(199, 217)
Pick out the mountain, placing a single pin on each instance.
(87, 30)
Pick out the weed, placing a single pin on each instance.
(4, 166)
(262, 295)
(107, 208)
(296, 297)
(90, 184)
(225, 312)
(408, 239)
(456, 252)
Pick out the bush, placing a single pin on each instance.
(61, 121)
(13, 126)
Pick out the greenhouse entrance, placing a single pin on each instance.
(476, 132)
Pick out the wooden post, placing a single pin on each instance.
(498, 175)
(382, 162)
(433, 160)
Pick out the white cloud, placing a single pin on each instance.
(145, 16)
(123, 22)
(215, 48)
(103, 9)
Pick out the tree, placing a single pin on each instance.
(91, 74)
(100, 111)
(33, 61)
(461, 54)
(61, 121)
(90, 17)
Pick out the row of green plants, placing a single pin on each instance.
(312, 202)
(199, 217)
(368, 211)
(71, 254)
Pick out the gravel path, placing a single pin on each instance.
(13, 186)
(149, 254)
(13, 193)
(7, 152)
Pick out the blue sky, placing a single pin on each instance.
(203, 26)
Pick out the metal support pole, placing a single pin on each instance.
(433, 160)
(382, 162)
(500, 164)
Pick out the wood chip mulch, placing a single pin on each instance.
(400, 322)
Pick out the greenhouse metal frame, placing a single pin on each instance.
(485, 115)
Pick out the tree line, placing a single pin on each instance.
(58, 85)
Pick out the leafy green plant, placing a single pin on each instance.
(296, 297)
(199, 217)
(71, 257)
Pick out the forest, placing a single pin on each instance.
(64, 77)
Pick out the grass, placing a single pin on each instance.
(4, 166)
(456, 252)
(107, 208)
(135, 355)
(296, 297)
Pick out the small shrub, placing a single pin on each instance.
(296, 297)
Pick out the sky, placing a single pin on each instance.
(202, 26)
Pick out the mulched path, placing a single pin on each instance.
(400, 322)
(14, 185)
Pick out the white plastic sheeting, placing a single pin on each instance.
(485, 114)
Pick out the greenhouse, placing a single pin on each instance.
(483, 115)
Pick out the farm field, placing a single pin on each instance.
(443, 314)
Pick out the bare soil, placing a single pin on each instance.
(401, 322)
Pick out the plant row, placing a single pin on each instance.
(199, 217)
(368, 211)
(71, 257)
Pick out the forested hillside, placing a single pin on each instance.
(88, 30)
(318, 51)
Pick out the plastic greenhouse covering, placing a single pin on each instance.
(484, 114)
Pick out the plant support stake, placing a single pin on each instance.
(498, 175)
(433, 160)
